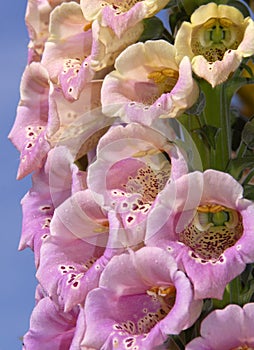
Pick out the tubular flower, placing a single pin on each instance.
(148, 83)
(133, 165)
(37, 22)
(52, 185)
(71, 259)
(216, 40)
(229, 329)
(28, 133)
(51, 327)
(73, 64)
(209, 230)
(120, 15)
(142, 297)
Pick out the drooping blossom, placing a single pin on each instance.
(52, 185)
(51, 327)
(37, 22)
(45, 118)
(148, 83)
(132, 166)
(216, 39)
(141, 299)
(229, 329)
(120, 15)
(72, 258)
(76, 49)
(208, 225)
(78, 124)
(28, 133)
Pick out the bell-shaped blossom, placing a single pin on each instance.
(133, 165)
(79, 124)
(51, 327)
(231, 328)
(45, 118)
(72, 257)
(204, 219)
(216, 39)
(28, 133)
(147, 83)
(71, 63)
(52, 185)
(141, 299)
(37, 21)
(120, 15)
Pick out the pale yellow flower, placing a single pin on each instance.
(216, 40)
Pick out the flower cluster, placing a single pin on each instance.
(141, 211)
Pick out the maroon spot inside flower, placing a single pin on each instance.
(130, 219)
(134, 207)
(46, 208)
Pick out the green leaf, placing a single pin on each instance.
(191, 6)
(233, 84)
(153, 29)
(177, 15)
(249, 192)
(236, 166)
(248, 134)
(247, 68)
(171, 3)
(208, 133)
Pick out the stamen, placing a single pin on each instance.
(87, 26)
(165, 79)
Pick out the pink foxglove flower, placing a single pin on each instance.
(37, 19)
(37, 22)
(216, 40)
(52, 185)
(77, 124)
(204, 219)
(133, 165)
(71, 63)
(229, 329)
(142, 298)
(45, 118)
(51, 327)
(120, 15)
(72, 257)
(148, 83)
(28, 133)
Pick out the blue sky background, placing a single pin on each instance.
(18, 283)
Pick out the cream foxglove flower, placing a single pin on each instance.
(77, 49)
(216, 40)
(120, 15)
(148, 83)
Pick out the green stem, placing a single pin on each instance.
(235, 290)
(216, 114)
(203, 149)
